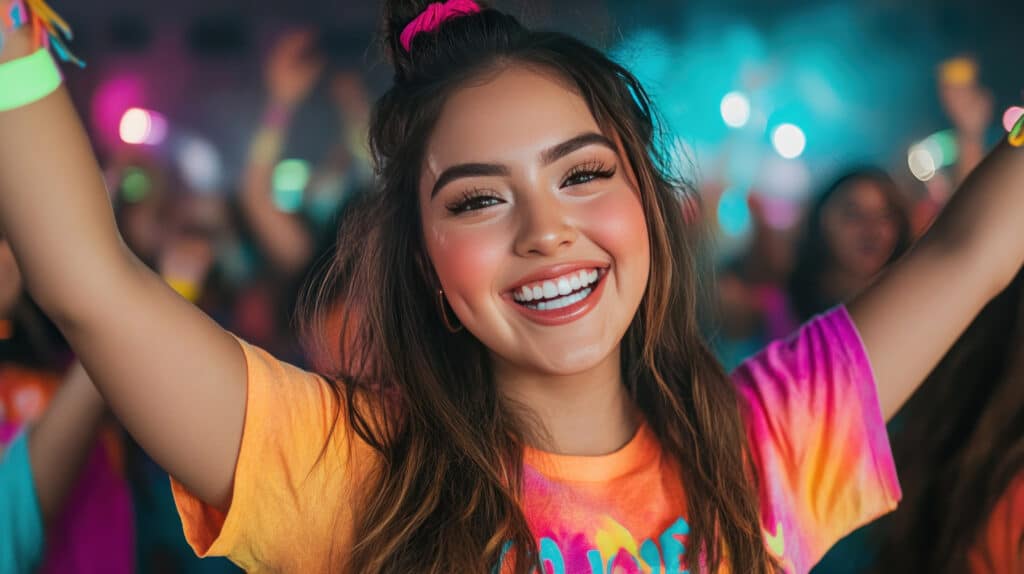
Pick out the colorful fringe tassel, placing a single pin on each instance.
(49, 30)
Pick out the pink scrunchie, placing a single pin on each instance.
(435, 15)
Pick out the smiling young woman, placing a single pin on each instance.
(577, 421)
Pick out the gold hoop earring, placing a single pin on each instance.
(444, 314)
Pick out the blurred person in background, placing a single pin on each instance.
(969, 106)
(937, 450)
(195, 231)
(962, 469)
(294, 238)
(291, 236)
(39, 470)
(854, 229)
(61, 471)
(182, 236)
(752, 305)
(190, 394)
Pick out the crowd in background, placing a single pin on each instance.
(244, 257)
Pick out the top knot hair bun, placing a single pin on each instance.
(428, 40)
(433, 16)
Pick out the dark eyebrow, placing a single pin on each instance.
(467, 170)
(548, 156)
(565, 148)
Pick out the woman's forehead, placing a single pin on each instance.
(511, 117)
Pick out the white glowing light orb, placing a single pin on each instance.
(200, 165)
(789, 141)
(139, 126)
(921, 162)
(735, 109)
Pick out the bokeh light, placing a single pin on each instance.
(942, 147)
(200, 164)
(789, 141)
(921, 162)
(735, 109)
(1016, 137)
(1011, 116)
(290, 179)
(139, 126)
(734, 213)
(135, 184)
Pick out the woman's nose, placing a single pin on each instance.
(545, 227)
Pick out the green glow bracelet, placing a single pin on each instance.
(28, 79)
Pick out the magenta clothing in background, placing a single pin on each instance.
(7, 432)
(95, 533)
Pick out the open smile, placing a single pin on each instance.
(560, 299)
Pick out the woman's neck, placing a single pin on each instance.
(584, 414)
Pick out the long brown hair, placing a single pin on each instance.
(959, 443)
(447, 494)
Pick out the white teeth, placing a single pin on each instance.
(526, 294)
(555, 290)
(562, 301)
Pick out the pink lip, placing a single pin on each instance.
(555, 271)
(569, 313)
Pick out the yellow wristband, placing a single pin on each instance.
(28, 80)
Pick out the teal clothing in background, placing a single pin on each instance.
(21, 526)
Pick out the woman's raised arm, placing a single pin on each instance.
(173, 377)
(919, 307)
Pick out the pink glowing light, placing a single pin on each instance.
(139, 126)
(1012, 116)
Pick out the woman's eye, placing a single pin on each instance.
(587, 173)
(472, 203)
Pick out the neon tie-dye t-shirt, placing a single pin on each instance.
(815, 426)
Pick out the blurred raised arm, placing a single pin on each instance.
(292, 71)
(62, 439)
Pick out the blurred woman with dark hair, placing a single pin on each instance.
(60, 477)
(855, 228)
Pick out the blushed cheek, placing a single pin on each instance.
(467, 261)
(616, 223)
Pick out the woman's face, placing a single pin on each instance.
(10, 280)
(533, 223)
(861, 228)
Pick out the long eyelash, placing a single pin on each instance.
(461, 204)
(596, 168)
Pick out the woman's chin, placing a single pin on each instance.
(568, 360)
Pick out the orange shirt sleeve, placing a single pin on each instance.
(290, 507)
